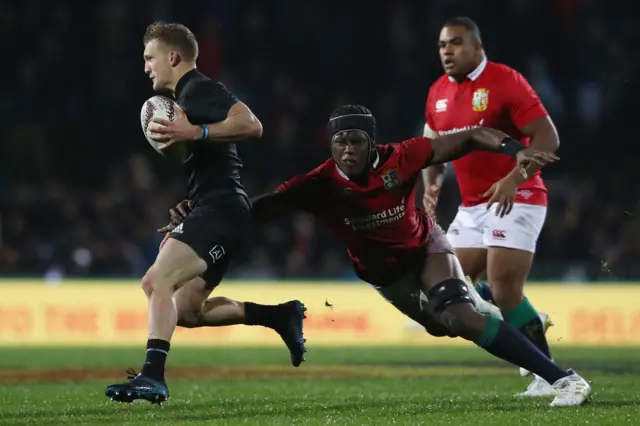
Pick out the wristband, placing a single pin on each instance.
(205, 131)
(511, 147)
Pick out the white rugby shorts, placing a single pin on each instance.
(477, 227)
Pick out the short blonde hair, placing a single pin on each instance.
(177, 36)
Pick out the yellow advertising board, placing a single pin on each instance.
(104, 313)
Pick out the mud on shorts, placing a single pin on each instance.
(218, 230)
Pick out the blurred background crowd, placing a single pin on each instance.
(82, 193)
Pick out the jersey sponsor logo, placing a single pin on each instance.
(461, 129)
(441, 105)
(498, 234)
(390, 178)
(480, 100)
(376, 220)
(178, 229)
(217, 252)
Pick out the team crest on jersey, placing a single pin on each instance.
(390, 178)
(480, 100)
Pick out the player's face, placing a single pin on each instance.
(351, 151)
(458, 51)
(157, 64)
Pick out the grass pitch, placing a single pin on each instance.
(410, 386)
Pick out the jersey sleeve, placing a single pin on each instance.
(429, 124)
(414, 155)
(209, 99)
(522, 103)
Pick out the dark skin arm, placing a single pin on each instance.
(451, 147)
(444, 149)
(265, 207)
(544, 137)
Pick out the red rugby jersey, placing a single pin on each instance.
(493, 95)
(378, 222)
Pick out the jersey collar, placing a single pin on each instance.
(374, 165)
(184, 80)
(476, 73)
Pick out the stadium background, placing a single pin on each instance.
(83, 193)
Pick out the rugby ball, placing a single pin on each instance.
(159, 107)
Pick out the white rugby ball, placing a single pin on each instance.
(156, 107)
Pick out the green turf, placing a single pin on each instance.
(434, 386)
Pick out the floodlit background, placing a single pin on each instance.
(82, 192)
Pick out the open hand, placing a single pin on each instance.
(502, 192)
(529, 156)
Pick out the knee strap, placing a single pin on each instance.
(447, 293)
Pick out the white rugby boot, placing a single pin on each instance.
(546, 324)
(537, 388)
(571, 391)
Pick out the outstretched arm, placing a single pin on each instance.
(451, 147)
(264, 207)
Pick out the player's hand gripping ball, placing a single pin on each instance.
(165, 109)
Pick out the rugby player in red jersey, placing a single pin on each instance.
(364, 195)
(503, 211)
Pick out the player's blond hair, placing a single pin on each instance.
(177, 36)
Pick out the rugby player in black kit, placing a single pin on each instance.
(195, 255)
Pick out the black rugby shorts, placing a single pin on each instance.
(218, 230)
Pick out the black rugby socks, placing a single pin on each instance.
(157, 351)
(525, 318)
(264, 315)
(534, 331)
(505, 342)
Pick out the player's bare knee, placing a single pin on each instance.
(146, 283)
